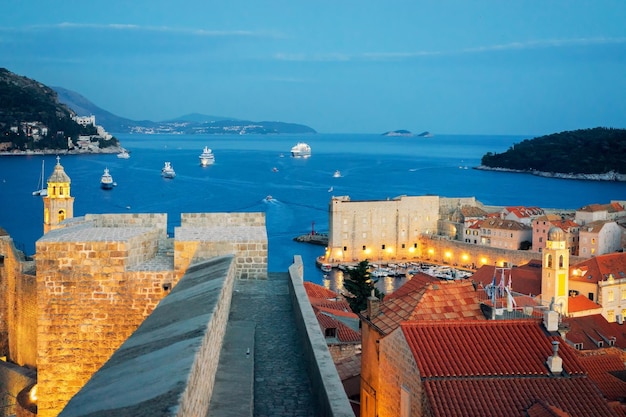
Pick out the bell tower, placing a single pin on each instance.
(58, 205)
(555, 271)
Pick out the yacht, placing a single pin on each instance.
(124, 154)
(167, 171)
(301, 150)
(42, 189)
(106, 182)
(207, 157)
(337, 174)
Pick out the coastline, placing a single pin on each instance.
(607, 176)
(109, 150)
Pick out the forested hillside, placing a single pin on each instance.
(586, 151)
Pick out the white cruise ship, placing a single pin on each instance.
(207, 157)
(301, 150)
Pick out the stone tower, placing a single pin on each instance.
(555, 271)
(58, 205)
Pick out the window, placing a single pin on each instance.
(590, 296)
(610, 316)
(561, 261)
(611, 295)
(345, 248)
(549, 260)
(623, 294)
(382, 246)
(330, 332)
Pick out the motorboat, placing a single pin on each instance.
(124, 154)
(167, 171)
(337, 174)
(326, 267)
(106, 181)
(207, 157)
(42, 189)
(274, 169)
(301, 150)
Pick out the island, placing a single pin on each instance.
(398, 133)
(591, 154)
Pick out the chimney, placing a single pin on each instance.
(373, 305)
(551, 320)
(554, 362)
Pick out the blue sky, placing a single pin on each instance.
(450, 67)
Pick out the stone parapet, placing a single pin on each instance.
(168, 366)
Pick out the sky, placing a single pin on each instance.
(487, 67)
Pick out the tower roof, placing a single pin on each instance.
(556, 234)
(59, 175)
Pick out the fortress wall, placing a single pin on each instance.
(142, 247)
(87, 307)
(18, 303)
(222, 219)
(158, 220)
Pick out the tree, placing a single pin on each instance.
(360, 285)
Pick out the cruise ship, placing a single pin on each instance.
(207, 157)
(301, 150)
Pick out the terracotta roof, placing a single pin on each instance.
(428, 298)
(514, 397)
(525, 279)
(498, 368)
(485, 348)
(580, 303)
(599, 368)
(610, 207)
(588, 330)
(522, 212)
(595, 227)
(317, 291)
(503, 224)
(344, 333)
(472, 211)
(349, 367)
(599, 268)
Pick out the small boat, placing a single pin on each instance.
(337, 174)
(106, 181)
(167, 171)
(124, 154)
(326, 267)
(269, 198)
(274, 169)
(301, 150)
(207, 157)
(42, 189)
(330, 190)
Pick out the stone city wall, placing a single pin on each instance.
(88, 306)
(222, 219)
(157, 220)
(18, 306)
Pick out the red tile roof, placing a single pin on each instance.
(523, 212)
(428, 298)
(485, 348)
(344, 333)
(498, 368)
(514, 397)
(317, 291)
(599, 368)
(526, 279)
(588, 330)
(599, 268)
(349, 367)
(580, 303)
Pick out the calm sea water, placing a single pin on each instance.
(373, 167)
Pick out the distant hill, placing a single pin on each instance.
(580, 152)
(400, 132)
(189, 124)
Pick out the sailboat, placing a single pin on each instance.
(42, 188)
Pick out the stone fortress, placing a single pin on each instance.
(96, 278)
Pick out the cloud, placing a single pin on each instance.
(146, 29)
(396, 56)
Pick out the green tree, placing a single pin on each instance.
(360, 285)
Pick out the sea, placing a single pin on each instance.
(250, 168)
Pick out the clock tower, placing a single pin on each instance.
(555, 271)
(58, 205)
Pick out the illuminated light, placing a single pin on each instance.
(431, 251)
(411, 249)
(448, 254)
(368, 251)
(464, 257)
(483, 260)
(33, 393)
(389, 250)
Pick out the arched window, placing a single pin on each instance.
(561, 261)
(549, 260)
(61, 215)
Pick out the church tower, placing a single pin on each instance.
(58, 205)
(555, 271)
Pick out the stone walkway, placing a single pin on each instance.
(281, 383)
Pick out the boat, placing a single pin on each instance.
(326, 267)
(42, 189)
(124, 154)
(106, 181)
(269, 198)
(274, 169)
(167, 171)
(337, 174)
(207, 157)
(301, 150)
(330, 190)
